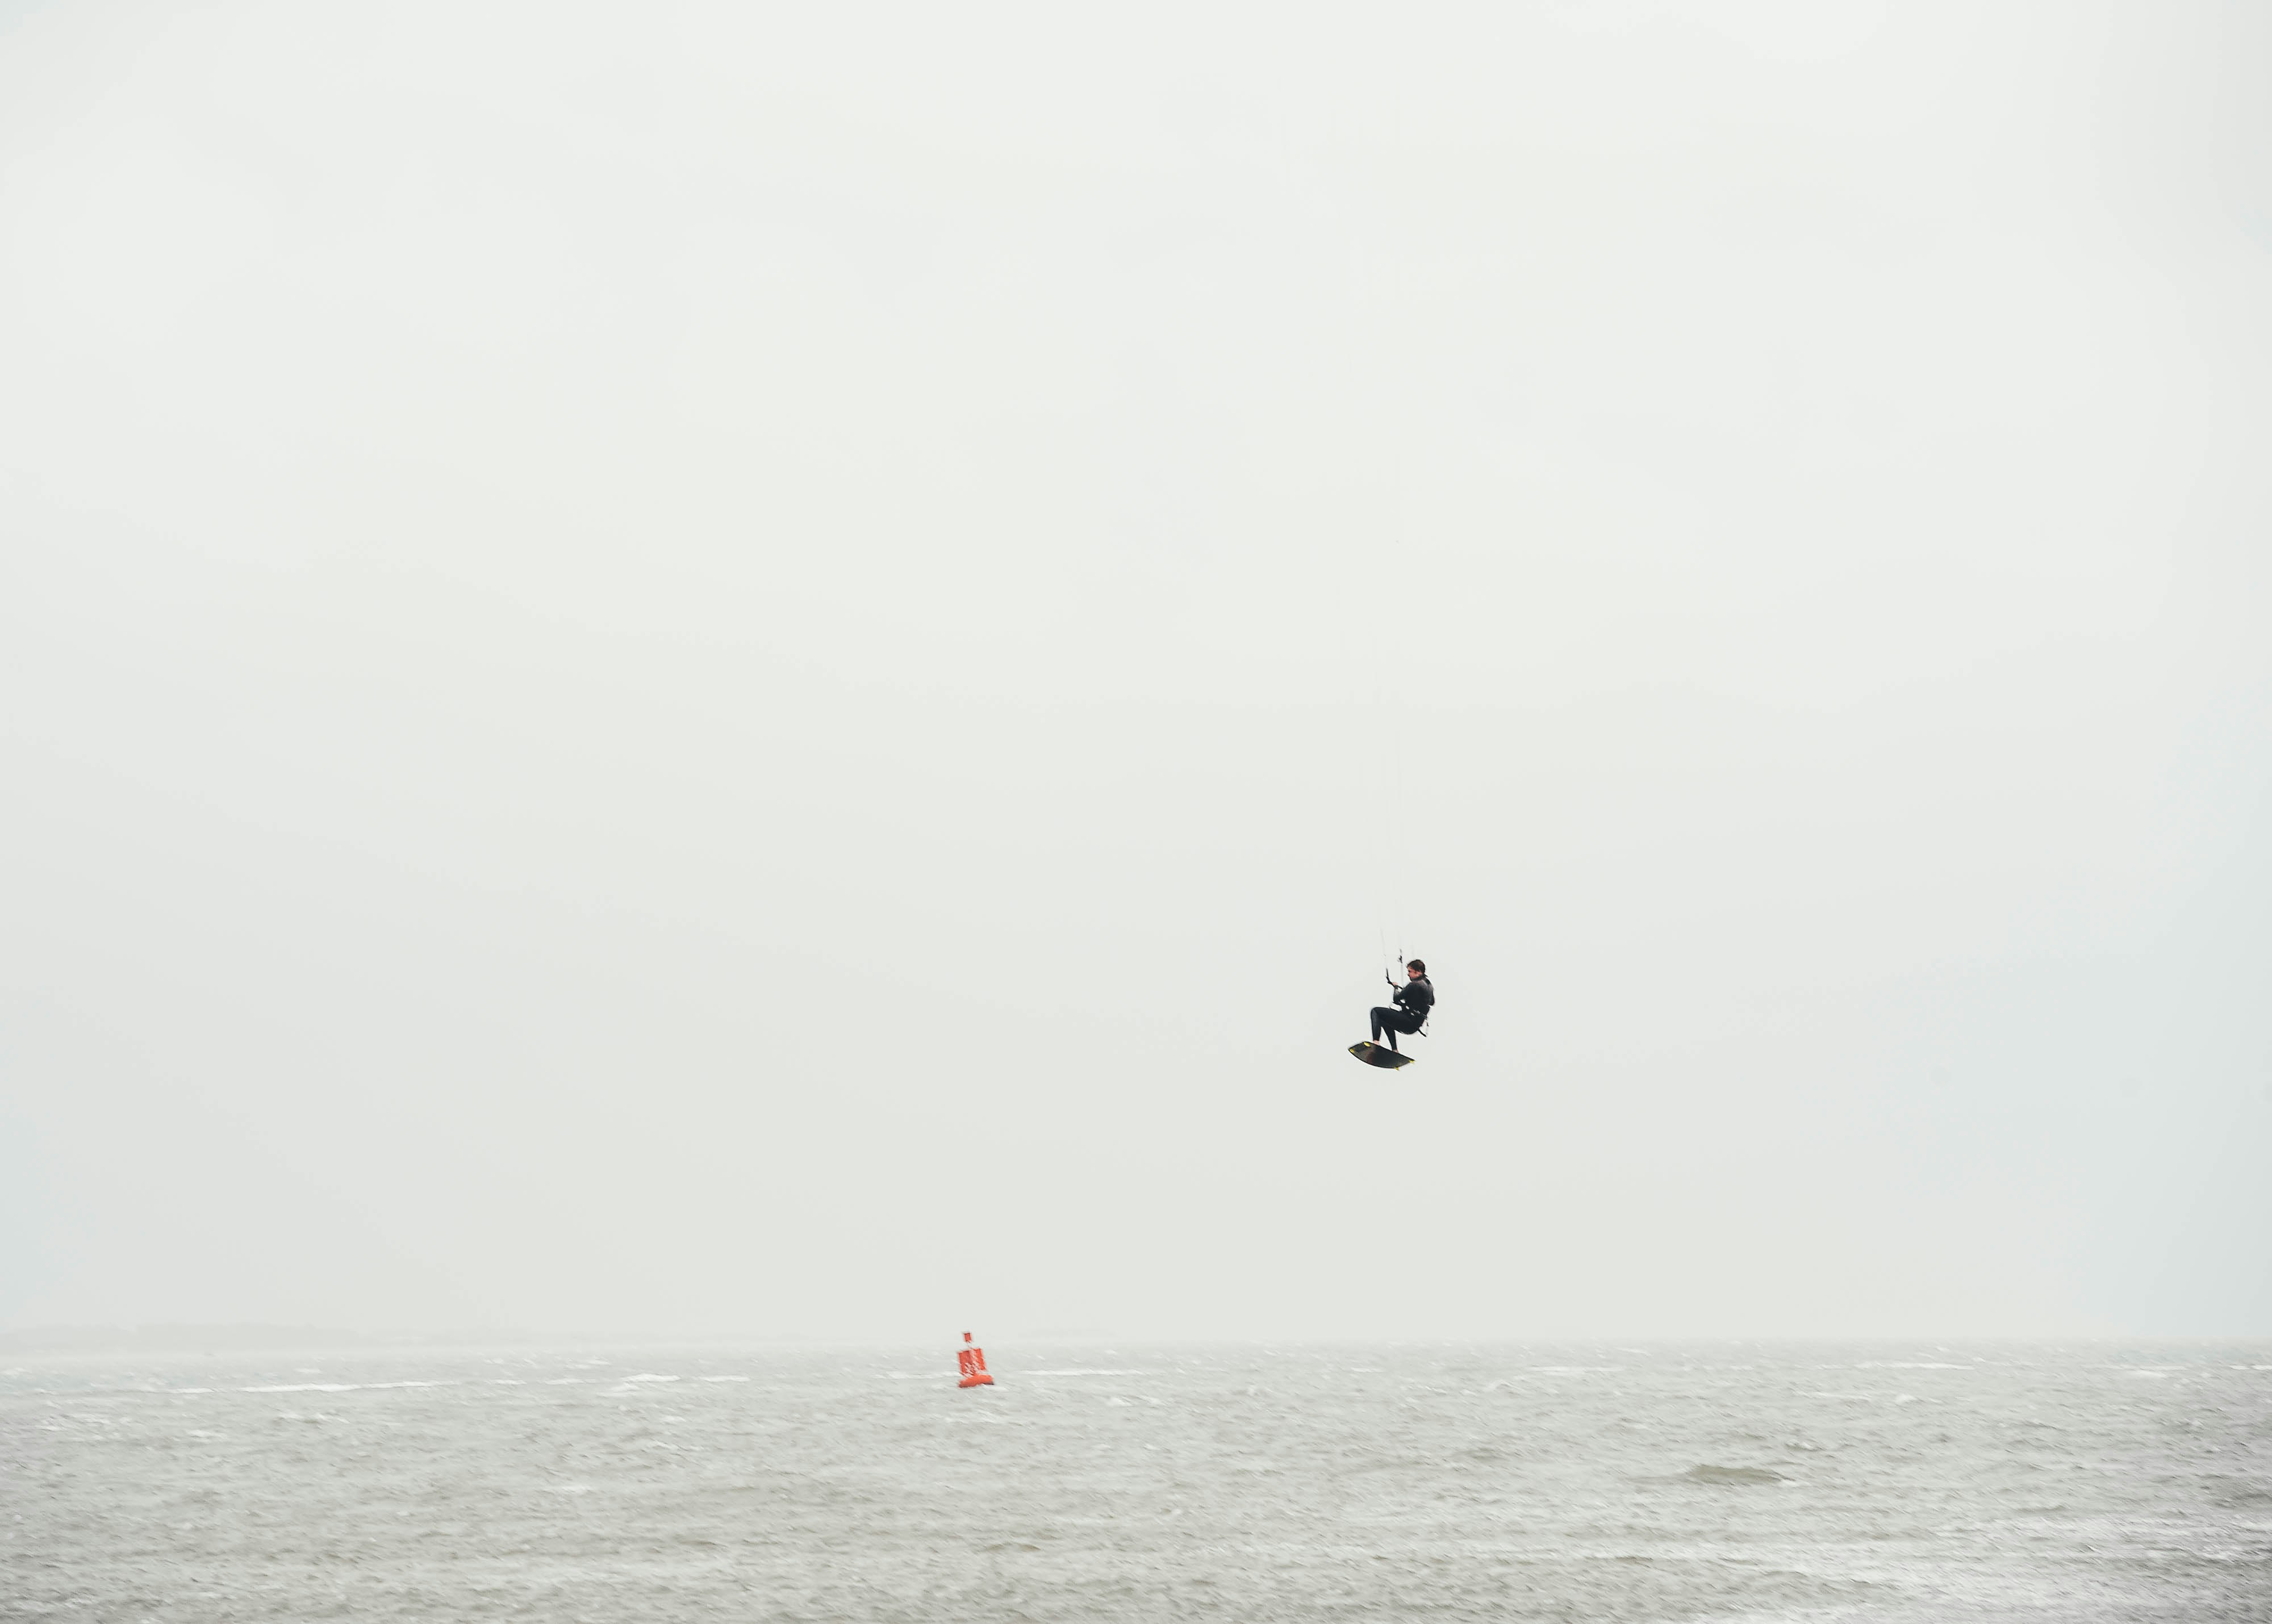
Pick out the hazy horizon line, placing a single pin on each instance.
(219, 1339)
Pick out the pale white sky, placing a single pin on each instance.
(759, 670)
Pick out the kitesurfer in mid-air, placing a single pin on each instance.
(1413, 1001)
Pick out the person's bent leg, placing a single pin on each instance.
(1382, 1017)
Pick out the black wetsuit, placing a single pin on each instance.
(1414, 999)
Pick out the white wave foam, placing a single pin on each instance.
(1084, 1373)
(303, 1387)
(339, 1387)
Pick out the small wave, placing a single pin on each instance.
(1733, 1474)
(649, 1375)
(303, 1387)
(339, 1387)
(1867, 1398)
(1084, 1373)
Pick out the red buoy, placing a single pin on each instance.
(972, 1362)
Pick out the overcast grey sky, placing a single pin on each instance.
(781, 669)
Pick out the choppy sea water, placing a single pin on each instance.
(1597, 1482)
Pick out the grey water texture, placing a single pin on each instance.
(1581, 1482)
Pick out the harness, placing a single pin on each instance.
(1421, 1031)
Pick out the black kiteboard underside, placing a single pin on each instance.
(1375, 1054)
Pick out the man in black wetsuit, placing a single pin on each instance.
(1414, 1000)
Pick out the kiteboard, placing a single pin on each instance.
(1379, 1054)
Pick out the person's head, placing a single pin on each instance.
(1415, 969)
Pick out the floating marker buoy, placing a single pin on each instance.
(972, 1362)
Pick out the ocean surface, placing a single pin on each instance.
(1597, 1482)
